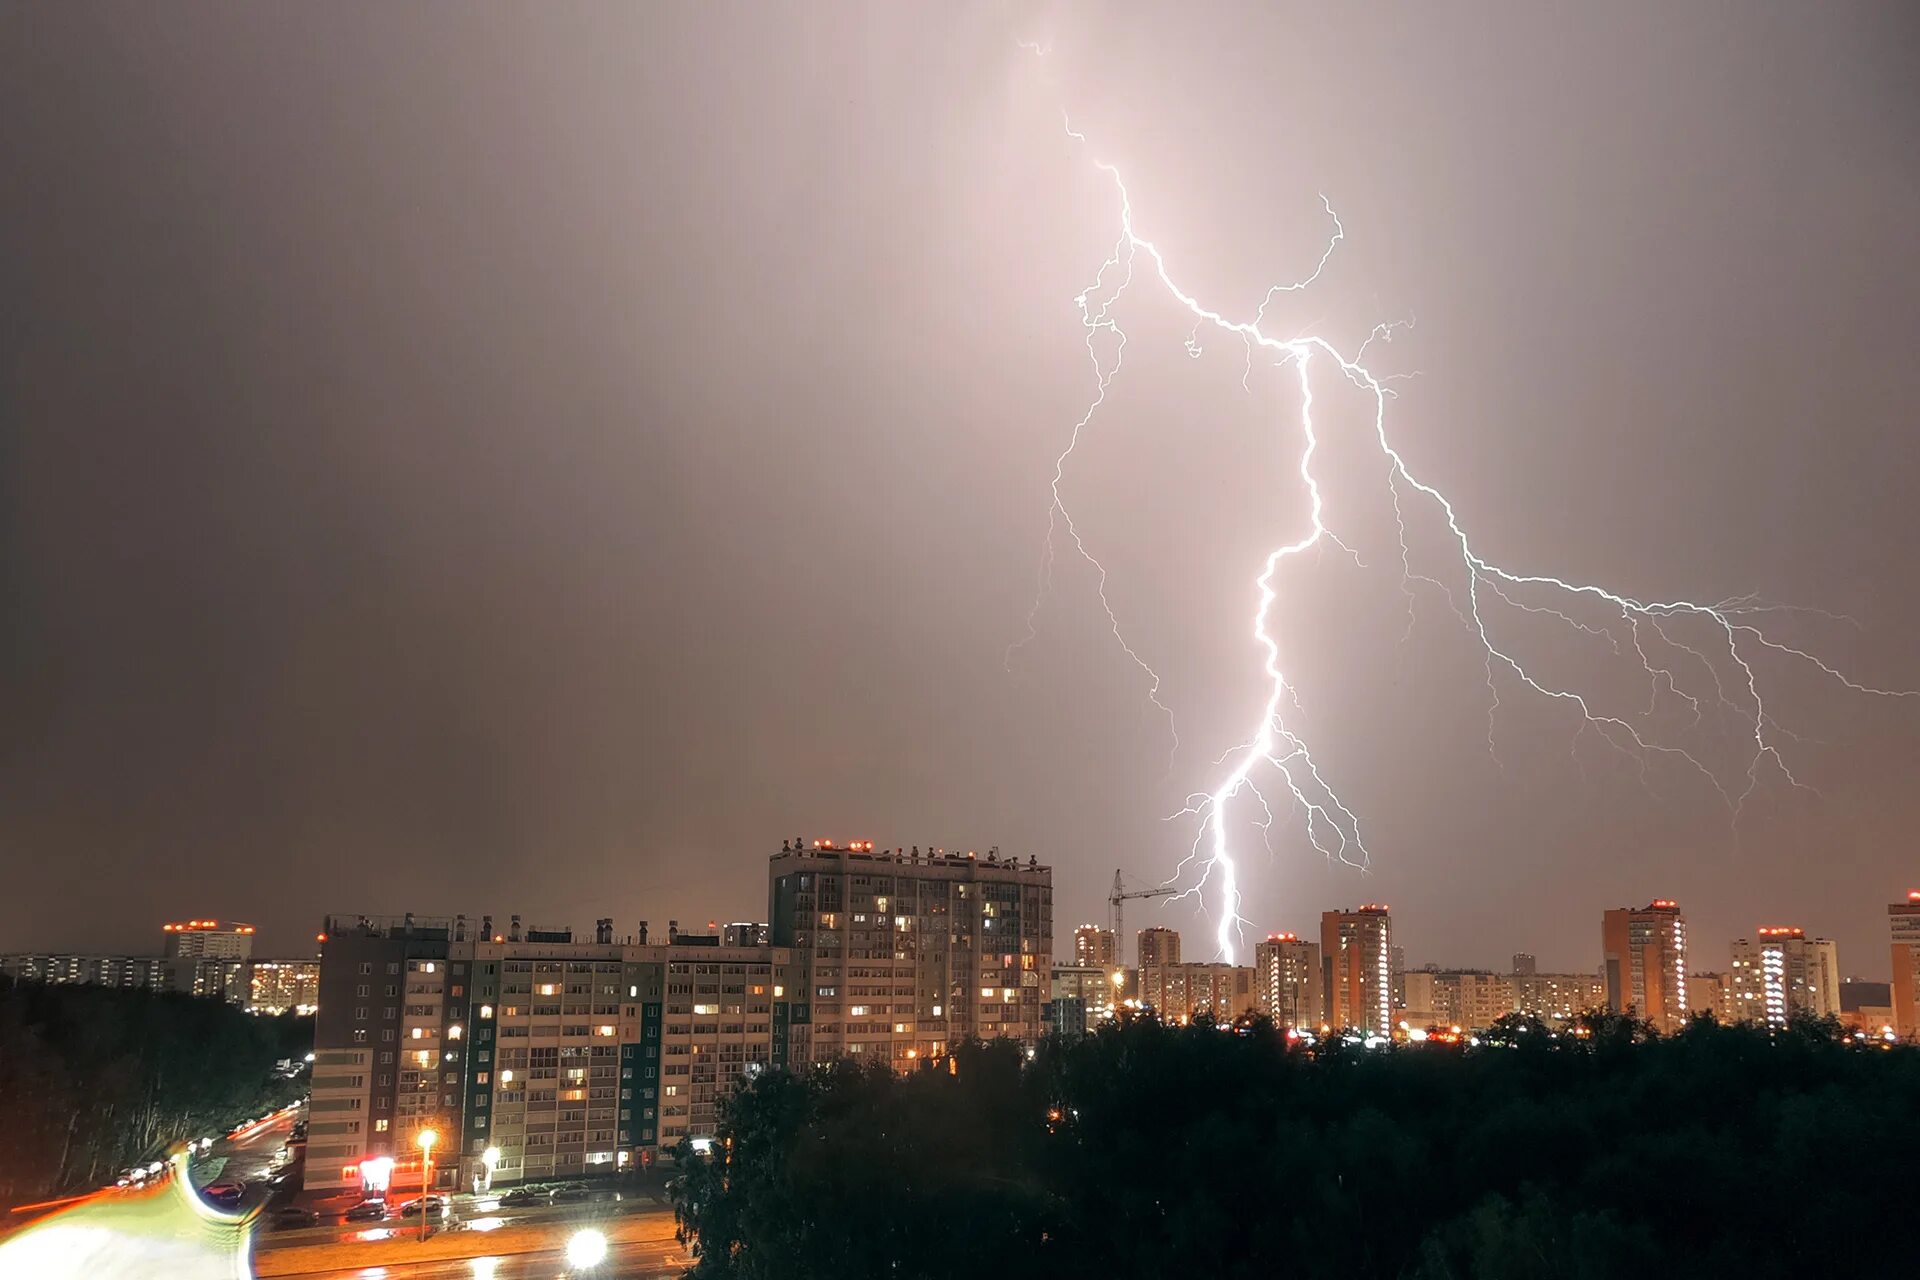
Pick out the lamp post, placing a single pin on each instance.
(490, 1157)
(426, 1140)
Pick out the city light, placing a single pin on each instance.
(586, 1249)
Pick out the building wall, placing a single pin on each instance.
(907, 954)
(1158, 946)
(1356, 950)
(1095, 947)
(1182, 992)
(1090, 987)
(1559, 997)
(1903, 926)
(1780, 972)
(1290, 986)
(1644, 962)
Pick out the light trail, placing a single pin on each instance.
(1330, 825)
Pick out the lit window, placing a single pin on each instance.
(939, 1012)
(707, 1009)
(453, 1032)
(857, 1011)
(779, 991)
(506, 1077)
(899, 1027)
(379, 1126)
(603, 1030)
(416, 1033)
(486, 1011)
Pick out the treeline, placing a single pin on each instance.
(1154, 1151)
(95, 1079)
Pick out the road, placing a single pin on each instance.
(633, 1260)
(482, 1213)
(248, 1155)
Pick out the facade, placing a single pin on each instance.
(1356, 963)
(94, 971)
(904, 954)
(1644, 961)
(1524, 965)
(1182, 992)
(1471, 999)
(1903, 923)
(1558, 997)
(208, 939)
(1095, 947)
(1158, 946)
(1780, 972)
(1711, 994)
(282, 986)
(1291, 990)
(1091, 989)
(564, 1057)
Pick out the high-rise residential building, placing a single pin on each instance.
(1356, 961)
(1291, 990)
(1398, 970)
(1524, 965)
(1903, 922)
(744, 934)
(1471, 999)
(282, 986)
(1558, 997)
(1780, 972)
(905, 954)
(563, 1056)
(206, 939)
(1711, 994)
(1158, 946)
(1094, 947)
(1182, 992)
(1090, 987)
(148, 972)
(1644, 961)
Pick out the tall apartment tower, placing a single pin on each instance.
(206, 940)
(1524, 965)
(1287, 972)
(1158, 947)
(1095, 948)
(1903, 921)
(1356, 959)
(1644, 960)
(1779, 972)
(905, 954)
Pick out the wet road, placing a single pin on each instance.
(648, 1259)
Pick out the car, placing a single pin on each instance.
(367, 1211)
(567, 1195)
(432, 1206)
(523, 1195)
(290, 1216)
(228, 1193)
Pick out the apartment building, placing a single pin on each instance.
(1780, 972)
(1094, 947)
(1356, 961)
(1182, 992)
(1644, 960)
(1291, 989)
(906, 953)
(1558, 997)
(1903, 927)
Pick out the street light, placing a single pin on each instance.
(426, 1140)
(490, 1157)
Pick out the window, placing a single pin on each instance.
(380, 1126)
(386, 1057)
(361, 991)
(359, 1036)
(857, 1011)
(366, 966)
(360, 1013)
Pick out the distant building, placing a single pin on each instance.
(146, 972)
(1903, 921)
(1711, 994)
(283, 986)
(1094, 947)
(1644, 961)
(1780, 972)
(258, 986)
(206, 939)
(1158, 946)
(1471, 999)
(1291, 987)
(1866, 1006)
(905, 954)
(1558, 997)
(1090, 987)
(1356, 962)
(1524, 965)
(1182, 992)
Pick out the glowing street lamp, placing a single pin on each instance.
(426, 1140)
(490, 1158)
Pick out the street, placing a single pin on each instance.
(636, 1258)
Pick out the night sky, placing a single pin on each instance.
(536, 458)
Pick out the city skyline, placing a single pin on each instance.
(376, 519)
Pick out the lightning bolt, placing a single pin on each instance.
(1731, 627)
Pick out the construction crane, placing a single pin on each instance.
(1118, 897)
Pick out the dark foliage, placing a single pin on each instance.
(93, 1079)
(1158, 1151)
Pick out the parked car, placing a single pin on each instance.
(568, 1195)
(368, 1211)
(224, 1193)
(432, 1206)
(523, 1195)
(290, 1216)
